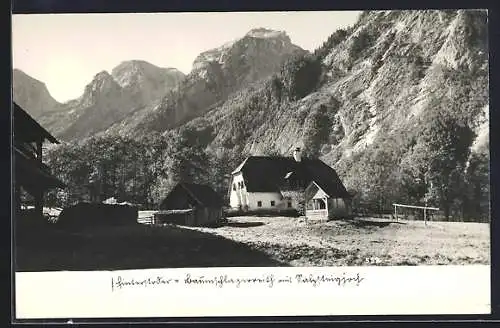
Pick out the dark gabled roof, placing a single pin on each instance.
(267, 174)
(327, 179)
(27, 129)
(202, 194)
(31, 174)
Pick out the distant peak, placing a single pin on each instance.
(102, 75)
(135, 62)
(138, 65)
(17, 70)
(101, 81)
(20, 74)
(262, 32)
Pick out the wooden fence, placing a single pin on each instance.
(317, 214)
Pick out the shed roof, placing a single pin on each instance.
(31, 174)
(202, 194)
(267, 174)
(27, 129)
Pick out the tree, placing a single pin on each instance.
(477, 195)
(444, 147)
(187, 159)
(374, 177)
(298, 197)
(333, 40)
(300, 75)
(316, 131)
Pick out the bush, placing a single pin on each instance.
(97, 214)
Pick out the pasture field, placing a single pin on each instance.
(361, 241)
(253, 241)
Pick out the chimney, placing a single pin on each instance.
(297, 154)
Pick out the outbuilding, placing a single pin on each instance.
(191, 205)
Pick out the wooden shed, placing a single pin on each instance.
(191, 205)
(31, 174)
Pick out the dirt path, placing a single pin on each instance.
(360, 241)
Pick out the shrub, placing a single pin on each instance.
(96, 214)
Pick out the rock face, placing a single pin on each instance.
(217, 74)
(110, 98)
(32, 95)
(378, 78)
(138, 97)
(373, 81)
(144, 81)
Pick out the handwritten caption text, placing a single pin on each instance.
(225, 280)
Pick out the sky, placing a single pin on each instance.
(65, 51)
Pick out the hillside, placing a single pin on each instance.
(377, 102)
(31, 94)
(377, 81)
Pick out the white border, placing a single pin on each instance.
(418, 290)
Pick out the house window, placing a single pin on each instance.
(289, 204)
(259, 203)
(234, 186)
(272, 203)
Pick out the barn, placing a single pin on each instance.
(191, 205)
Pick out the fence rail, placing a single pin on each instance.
(317, 214)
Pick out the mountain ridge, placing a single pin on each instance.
(148, 92)
(32, 94)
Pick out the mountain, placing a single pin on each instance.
(138, 97)
(376, 79)
(103, 102)
(146, 82)
(32, 95)
(396, 102)
(110, 98)
(216, 74)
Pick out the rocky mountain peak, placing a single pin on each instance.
(138, 71)
(102, 84)
(32, 94)
(256, 44)
(264, 33)
(102, 81)
(144, 81)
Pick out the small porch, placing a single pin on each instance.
(317, 208)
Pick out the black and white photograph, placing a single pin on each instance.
(250, 139)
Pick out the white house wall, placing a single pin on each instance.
(237, 197)
(266, 198)
(241, 198)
